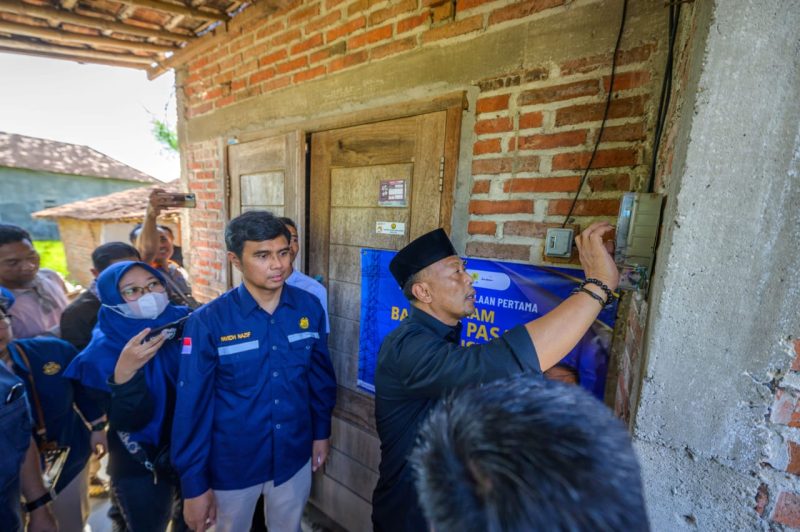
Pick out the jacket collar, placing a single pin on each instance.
(442, 330)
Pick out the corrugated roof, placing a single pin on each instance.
(125, 206)
(20, 151)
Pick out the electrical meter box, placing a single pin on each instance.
(637, 231)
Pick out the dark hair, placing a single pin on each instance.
(409, 284)
(10, 234)
(134, 234)
(527, 454)
(288, 221)
(256, 226)
(104, 255)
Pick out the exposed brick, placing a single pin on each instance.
(453, 29)
(271, 29)
(306, 45)
(323, 22)
(603, 207)
(309, 74)
(248, 92)
(345, 29)
(593, 112)
(501, 207)
(212, 94)
(357, 6)
(493, 103)
(535, 74)
(783, 408)
(794, 459)
(245, 68)
(521, 9)
(394, 47)
(787, 509)
(609, 182)
(494, 125)
(603, 159)
(408, 24)
(796, 362)
(370, 37)
(230, 62)
(505, 165)
(624, 57)
(347, 61)
(285, 37)
(762, 499)
(261, 75)
(482, 228)
(491, 250)
(481, 186)
(240, 43)
(542, 184)
(531, 120)
(274, 57)
(486, 146)
(501, 82)
(320, 55)
(441, 11)
(624, 81)
(553, 140)
(558, 93)
(330, 4)
(303, 14)
(624, 133)
(463, 5)
(382, 15)
(531, 229)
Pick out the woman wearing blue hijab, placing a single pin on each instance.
(134, 379)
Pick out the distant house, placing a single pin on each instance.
(38, 173)
(86, 224)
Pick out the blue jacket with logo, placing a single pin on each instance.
(254, 390)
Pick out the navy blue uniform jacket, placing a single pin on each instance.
(254, 390)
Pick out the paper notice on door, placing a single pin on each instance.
(393, 193)
(390, 228)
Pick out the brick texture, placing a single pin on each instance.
(787, 509)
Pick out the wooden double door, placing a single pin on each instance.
(376, 185)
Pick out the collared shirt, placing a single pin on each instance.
(37, 309)
(419, 362)
(311, 285)
(254, 390)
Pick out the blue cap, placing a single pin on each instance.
(6, 298)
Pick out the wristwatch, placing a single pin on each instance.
(38, 503)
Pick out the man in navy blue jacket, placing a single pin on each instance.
(256, 390)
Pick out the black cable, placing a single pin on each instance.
(605, 112)
(666, 91)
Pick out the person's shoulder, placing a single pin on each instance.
(220, 304)
(83, 303)
(46, 346)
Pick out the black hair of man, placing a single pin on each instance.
(9, 234)
(527, 454)
(288, 221)
(256, 226)
(134, 234)
(104, 255)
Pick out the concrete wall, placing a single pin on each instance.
(717, 423)
(23, 192)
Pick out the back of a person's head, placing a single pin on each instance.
(527, 454)
(10, 234)
(106, 254)
(288, 221)
(256, 226)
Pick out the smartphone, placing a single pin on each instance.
(174, 330)
(180, 199)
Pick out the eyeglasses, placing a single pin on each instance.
(135, 292)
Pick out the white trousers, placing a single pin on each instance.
(283, 505)
(71, 505)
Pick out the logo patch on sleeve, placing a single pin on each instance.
(187, 346)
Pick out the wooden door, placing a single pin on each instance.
(349, 168)
(268, 174)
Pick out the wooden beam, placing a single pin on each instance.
(178, 9)
(77, 52)
(81, 60)
(61, 16)
(68, 4)
(79, 38)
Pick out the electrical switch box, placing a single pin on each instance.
(558, 243)
(637, 232)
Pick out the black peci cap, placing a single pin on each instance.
(421, 253)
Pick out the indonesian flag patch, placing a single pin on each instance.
(187, 346)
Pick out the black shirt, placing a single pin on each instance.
(418, 363)
(79, 318)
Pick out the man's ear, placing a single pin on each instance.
(235, 260)
(94, 271)
(421, 292)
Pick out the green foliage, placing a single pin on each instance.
(164, 135)
(52, 255)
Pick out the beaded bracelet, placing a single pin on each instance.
(594, 296)
(603, 287)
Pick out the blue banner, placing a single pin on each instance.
(508, 294)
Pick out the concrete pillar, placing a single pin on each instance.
(726, 290)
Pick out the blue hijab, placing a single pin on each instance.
(94, 366)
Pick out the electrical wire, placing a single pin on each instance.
(605, 113)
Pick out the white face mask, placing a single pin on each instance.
(148, 307)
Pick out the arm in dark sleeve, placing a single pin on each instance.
(132, 404)
(430, 369)
(89, 405)
(77, 323)
(322, 381)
